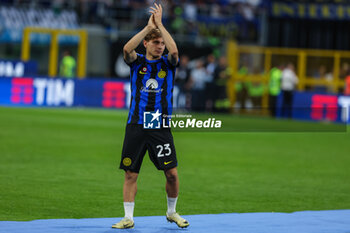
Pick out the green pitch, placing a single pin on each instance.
(63, 163)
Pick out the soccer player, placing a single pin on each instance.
(152, 79)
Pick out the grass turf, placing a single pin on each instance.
(63, 163)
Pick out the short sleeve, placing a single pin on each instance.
(137, 60)
(165, 58)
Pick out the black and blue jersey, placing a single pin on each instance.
(152, 83)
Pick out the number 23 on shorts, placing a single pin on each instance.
(163, 150)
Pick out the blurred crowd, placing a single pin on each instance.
(202, 83)
(191, 8)
(180, 16)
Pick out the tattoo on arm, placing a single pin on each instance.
(173, 59)
(130, 57)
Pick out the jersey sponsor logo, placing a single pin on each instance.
(127, 161)
(143, 70)
(151, 120)
(161, 74)
(166, 163)
(151, 86)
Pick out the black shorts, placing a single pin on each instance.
(158, 142)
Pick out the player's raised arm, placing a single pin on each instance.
(170, 44)
(131, 45)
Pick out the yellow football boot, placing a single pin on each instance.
(125, 223)
(176, 218)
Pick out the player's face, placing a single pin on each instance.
(155, 47)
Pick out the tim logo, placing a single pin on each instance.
(22, 90)
(113, 95)
(151, 120)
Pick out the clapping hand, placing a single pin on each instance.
(157, 12)
(151, 23)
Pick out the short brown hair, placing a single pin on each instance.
(153, 34)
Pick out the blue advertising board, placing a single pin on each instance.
(317, 107)
(107, 93)
(64, 92)
(17, 68)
